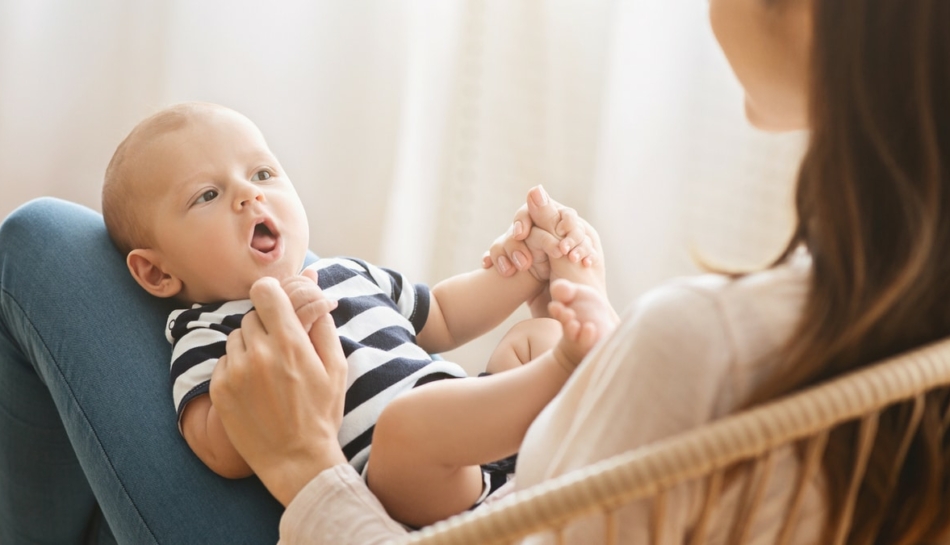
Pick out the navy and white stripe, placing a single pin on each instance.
(378, 316)
(198, 336)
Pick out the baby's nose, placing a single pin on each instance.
(247, 197)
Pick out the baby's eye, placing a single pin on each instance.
(260, 176)
(208, 195)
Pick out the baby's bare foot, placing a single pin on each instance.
(585, 316)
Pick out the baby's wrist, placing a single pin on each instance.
(531, 281)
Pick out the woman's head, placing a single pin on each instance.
(768, 45)
(873, 205)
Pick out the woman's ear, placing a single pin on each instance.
(146, 269)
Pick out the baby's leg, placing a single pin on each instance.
(429, 442)
(415, 470)
(585, 316)
(524, 342)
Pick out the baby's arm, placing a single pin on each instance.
(205, 434)
(468, 305)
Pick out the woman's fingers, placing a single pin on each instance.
(326, 341)
(235, 342)
(276, 314)
(280, 395)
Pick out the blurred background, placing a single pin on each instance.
(413, 129)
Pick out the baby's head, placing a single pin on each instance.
(200, 207)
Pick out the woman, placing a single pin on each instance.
(869, 77)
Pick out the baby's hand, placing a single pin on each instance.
(559, 244)
(309, 301)
(542, 230)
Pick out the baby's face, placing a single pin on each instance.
(222, 210)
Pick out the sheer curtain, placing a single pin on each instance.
(625, 110)
(680, 174)
(413, 129)
(323, 80)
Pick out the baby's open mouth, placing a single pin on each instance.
(264, 239)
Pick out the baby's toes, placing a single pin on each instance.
(572, 330)
(588, 336)
(583, 253)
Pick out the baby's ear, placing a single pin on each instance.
(146, 269)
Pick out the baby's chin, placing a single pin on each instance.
(238, 289)
(221, 293)
(286, 271)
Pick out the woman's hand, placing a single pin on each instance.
(279, 392)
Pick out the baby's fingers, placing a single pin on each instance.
(312, 311)
(507, 255)
(308, 300)
(312, 275)
(300, 290)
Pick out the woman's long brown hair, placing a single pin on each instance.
(873, 204)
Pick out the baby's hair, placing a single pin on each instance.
(126, 222)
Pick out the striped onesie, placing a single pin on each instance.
(378, 316)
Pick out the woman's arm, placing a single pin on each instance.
(279, 392)
(336, 508)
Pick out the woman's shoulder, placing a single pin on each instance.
(767, 298)
(733, 324)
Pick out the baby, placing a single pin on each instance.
(201, 208)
